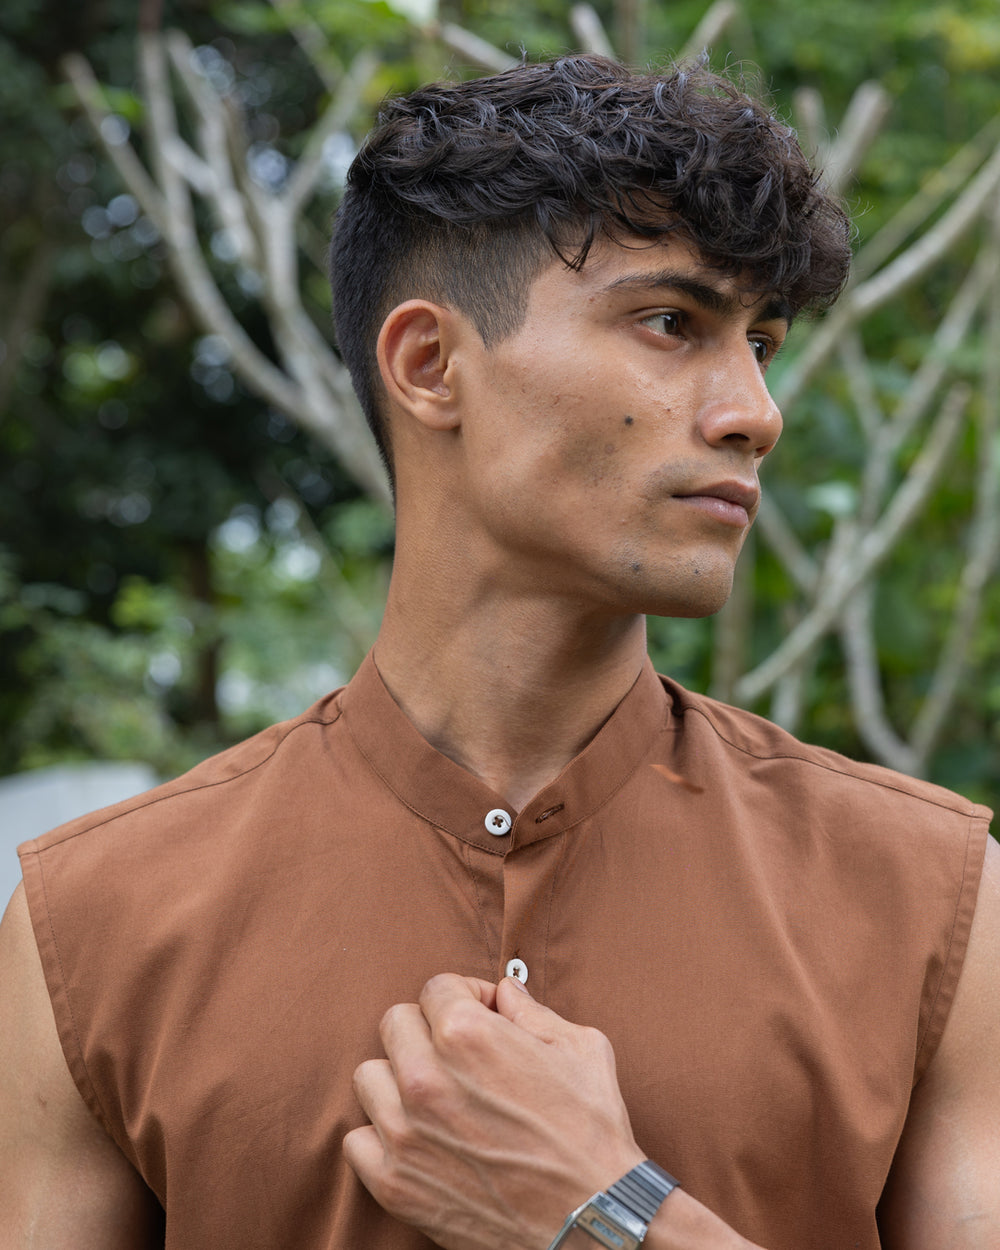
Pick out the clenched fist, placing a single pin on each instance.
(491, 1116)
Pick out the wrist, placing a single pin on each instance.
(618, 1217)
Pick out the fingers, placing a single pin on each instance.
(404, 1031)
(449, 989)
(451, 1003)
(376, 1090)
(364, 1153)
(515, 1003)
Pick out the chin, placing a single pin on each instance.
(689, 585)
(695, 596)
(687, 610)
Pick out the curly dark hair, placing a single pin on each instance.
(465, 191)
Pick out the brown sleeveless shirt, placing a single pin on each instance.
(770, 935)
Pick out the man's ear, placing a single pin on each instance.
(415, 349)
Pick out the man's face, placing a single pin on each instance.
(612, 443)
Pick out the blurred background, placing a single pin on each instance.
(194, 531)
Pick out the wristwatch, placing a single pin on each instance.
(618, 1217)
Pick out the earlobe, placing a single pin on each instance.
(414, 358)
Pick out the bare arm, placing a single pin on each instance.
(64, 1184)
(944, 1188)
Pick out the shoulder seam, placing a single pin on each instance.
(968, 810)
(193, 789)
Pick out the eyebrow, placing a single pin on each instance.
(725, 303)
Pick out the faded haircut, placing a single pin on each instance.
(465, 191)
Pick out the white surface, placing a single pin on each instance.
(33, 802)
(497, 822)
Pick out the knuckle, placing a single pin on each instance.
(460, 1030)
(397, 1136)
(598, 1044)
(420, 1086)
(441, 981)
(393, 1193)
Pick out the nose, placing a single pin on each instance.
(737, 408)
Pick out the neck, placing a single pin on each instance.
(510, 688)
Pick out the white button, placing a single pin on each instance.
(517, 969)
(498, 822)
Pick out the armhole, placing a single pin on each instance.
(62, 1009)
(940, 993)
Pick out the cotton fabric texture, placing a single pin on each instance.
(769, 934)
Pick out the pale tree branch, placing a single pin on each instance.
(781, 538)
(188, 263)
(865, 116)
(718, 18)
(949, 337)
(788, 697)
(472, 49)
(630, 21)
(857, 372)
(335, 118)
(939, 186)
(865, 298)
(733, 628)
(215, 177)
(914, 490)
(589, 31)
(865, 684)
(854, 556)
(309, 385)
(122, 155)
(983, 557)
(310, 37)
(931, 246)
(810, 122)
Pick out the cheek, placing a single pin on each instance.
(592, 458)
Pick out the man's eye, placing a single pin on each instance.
(665, 322)
(763, 349)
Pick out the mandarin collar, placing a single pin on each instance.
(452, 799)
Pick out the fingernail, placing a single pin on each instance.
(520, 984)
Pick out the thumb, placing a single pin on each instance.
(515, 1003)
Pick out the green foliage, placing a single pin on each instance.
(182, 565)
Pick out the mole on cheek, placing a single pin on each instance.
(629, 420)
(636, 568)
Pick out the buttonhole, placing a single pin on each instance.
(549, 811)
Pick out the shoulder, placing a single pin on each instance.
(762, 751)
(258, 762)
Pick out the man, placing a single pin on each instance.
(449, 957)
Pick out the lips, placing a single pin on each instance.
(744, 494)
(732, 503)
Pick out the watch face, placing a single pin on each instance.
(604, 1232)
(611, 1224)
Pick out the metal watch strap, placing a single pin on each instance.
(619, 1216)
(643, 1189)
